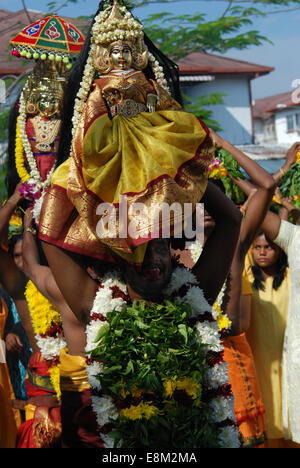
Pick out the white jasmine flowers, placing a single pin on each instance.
(104, 409)
(217, 375)
(50, 347)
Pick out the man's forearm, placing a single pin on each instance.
(30, 253)
(5, 214)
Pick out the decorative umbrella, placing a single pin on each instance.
(51, 38)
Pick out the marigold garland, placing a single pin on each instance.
(19, 155)
(47, 326)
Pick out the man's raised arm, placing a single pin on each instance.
(214, 263)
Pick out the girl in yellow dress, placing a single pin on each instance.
(270, 281)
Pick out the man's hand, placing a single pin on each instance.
(291, 155)
(218, 141)
(28, 219)
(13, 343)
(151, 102)
(17, 196)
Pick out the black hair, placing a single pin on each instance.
(170, 68)
(281, 266)
(13, 242)
(12, 178)
(218, 183)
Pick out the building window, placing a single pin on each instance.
(293, 121)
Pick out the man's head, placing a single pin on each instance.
(149, 281)
(15, 249)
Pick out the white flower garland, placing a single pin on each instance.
(50, 347)
(217, 375)
(35, 176)
(196, 250)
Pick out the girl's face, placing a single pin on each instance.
(265, 253)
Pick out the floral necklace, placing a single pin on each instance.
(112, 295)
(47, 326)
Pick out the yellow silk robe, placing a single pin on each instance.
(120, 149)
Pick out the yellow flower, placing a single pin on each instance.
(150, 411)
(55, 380)
(19, 155)
(223, 320)
(170, 387)
(298, 156)
(214, 174)
(43, 313)
(16, 220)
(133, 412)
(275, 200)
(143, 410)
(191, 388)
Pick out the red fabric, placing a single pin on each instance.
(25, 435)
(44, 430)
(45, 161)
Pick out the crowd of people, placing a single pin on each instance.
(140, 340)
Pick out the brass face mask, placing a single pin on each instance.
(44, 90)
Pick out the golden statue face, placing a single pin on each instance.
(48, 105)
(121, 56)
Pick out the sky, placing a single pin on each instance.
(281, 28)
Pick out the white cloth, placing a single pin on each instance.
(289, 240)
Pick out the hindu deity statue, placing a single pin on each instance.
(129, 137)
(52, 43)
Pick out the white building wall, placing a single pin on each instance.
(234, 115)
(283, 136)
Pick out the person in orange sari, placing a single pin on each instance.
(8, 420)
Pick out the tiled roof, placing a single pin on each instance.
(266, 106)
(200, 62)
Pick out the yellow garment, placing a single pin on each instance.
(8, 424)
(246, 286)
(73, 375)
(151, 158)
(269, 311)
